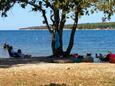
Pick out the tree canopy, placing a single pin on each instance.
(107, 6)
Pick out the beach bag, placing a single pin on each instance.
(112, 58)
(77, 59)
(75, 55)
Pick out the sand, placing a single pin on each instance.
(52, 74)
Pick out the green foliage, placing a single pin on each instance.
(107, 6)
(110, 25)
(6, 5)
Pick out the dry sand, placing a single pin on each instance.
(67, 74)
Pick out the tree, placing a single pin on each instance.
(5, 5)
(60, 10)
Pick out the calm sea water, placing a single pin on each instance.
(38, 42)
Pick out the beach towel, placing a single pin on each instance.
(112, 58)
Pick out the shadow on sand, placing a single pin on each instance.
(9, 62)
(55, 84)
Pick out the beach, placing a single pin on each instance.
(41, 70)
(58, 74)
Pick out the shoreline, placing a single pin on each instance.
(47, 29)
(4, 62)
(68, 29)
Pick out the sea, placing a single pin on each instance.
(38, 42)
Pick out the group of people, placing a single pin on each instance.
(89, 58)
(103, 58)
(75, 57)
(110, 57)
(14, 54)
(81, 58)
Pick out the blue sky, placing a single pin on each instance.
(18, 18)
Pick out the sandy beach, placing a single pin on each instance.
(58, 74)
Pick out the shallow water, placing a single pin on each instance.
(38, 42)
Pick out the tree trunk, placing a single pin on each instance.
(71, 42)
(62, 23)
(57, 51)
(53, 43)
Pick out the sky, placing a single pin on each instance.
(20, 18)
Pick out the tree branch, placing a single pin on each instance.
(46, 21)
(48, 4)
(56, 18)
(43, 14)
(63, 20)
(51, 17)
(71, 42)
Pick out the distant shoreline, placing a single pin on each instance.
(70, 29)
(86, 26)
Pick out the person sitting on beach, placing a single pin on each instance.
(5, 46)
(21, 55)
(88, 58)
(107, 58)
(10, 50)
(12, 53)
(102, 57)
